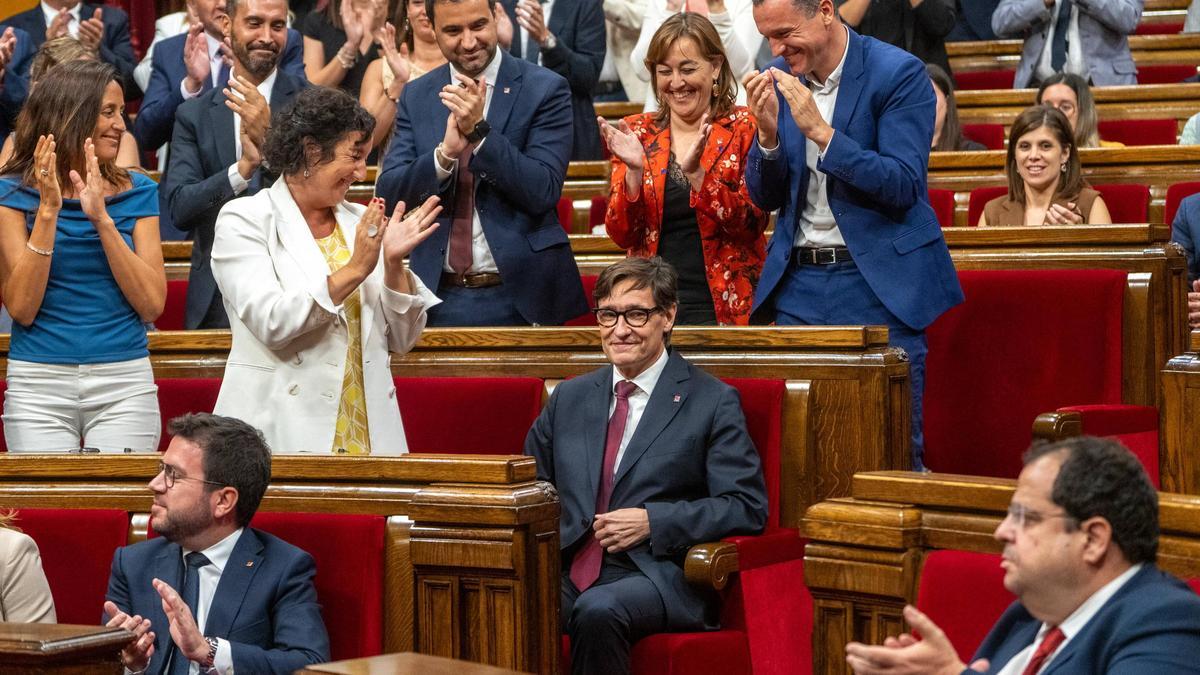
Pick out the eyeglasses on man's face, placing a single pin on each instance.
(170, 474)
(634, 316)
(1024, 517)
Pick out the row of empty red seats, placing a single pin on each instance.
(1002, 78)
(1161, 131)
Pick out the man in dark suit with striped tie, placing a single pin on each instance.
(650, 456)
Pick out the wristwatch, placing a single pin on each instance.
(479, 132)
(209, 660)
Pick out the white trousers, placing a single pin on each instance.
(111, 407)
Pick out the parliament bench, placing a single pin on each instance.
(1005, 54)
(1113, 103)
(868, 553)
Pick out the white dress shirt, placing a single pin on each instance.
(481, 253)
(236, 181)
(210, 575)
(166, 26)
(645, 382)
(215, 63)
(72, 26)
(1071, 626)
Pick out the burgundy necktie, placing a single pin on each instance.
(585, 568)
(462, 222)
(1049, 643)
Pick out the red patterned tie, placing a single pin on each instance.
(463, 219)
(1049, 643)
(585, 568)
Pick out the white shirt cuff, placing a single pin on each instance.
(442, 174)
(187, 94)
(236, 181)
(223, 661)
(769, 153)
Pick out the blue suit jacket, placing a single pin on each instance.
(195, 184)
(265, 604)
(876, 189)
(578, 28)
(1151, 625)
(115, 47)
(1186, 232)
(519, 173)
(690, 464)
(155, 118)
(15, 86)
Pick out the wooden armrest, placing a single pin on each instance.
(1055, 426)
(709, 565)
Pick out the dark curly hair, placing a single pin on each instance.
(1100, 477)
(320, 117)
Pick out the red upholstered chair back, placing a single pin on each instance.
(172, 316)
(1164, 73)
(470, 415)
(77, 547)
(1023, 342)
(589, 285)
(1127, 202)
(1175, 194)
(1134, 426)
(348, 550)
(985, 79)
(990, 135)
(1144, 28)
(1194, 582)
(596, 215)
(566, 213)
(177, 396)
(942, 202)
(979, 198)
(1141, 132)
(762, 403)
(964, 594)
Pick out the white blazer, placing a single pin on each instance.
(24, 592)
(285, 369)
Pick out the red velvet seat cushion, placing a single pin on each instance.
(470, 415)
(964, 594)
(77, 547)
(1127, 202)
(348, 551)
(172, 316)
(587, 318)
(724, 652)
(1157, 28)
(1175, 194)
(942, 202)
(985, 79)
(1141, 132)
(177, 396)
(1022, 343)
(979, 198)
(1164, 73)
(762, 403)
(990, 135)
(1194, 582)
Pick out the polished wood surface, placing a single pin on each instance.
(471, 562)
(865, 552)
(1129, 102)
(36, 648)
(1180, 420)
(1006, 54)
(407, 663)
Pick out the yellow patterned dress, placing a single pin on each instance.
(352, 435)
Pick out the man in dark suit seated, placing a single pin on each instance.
(491, 134)
(102, 28)
(216, 149)
(676, 467)
(210, 590)
(1080, 542)
(188, 65)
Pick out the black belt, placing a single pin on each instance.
(827, 255)
(474, 280)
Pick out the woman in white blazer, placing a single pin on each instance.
(313, 309)
(24, 592)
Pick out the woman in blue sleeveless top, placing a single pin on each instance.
(82, 272)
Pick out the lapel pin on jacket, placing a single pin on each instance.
(249, 563)
(676, 399)
(506, 90)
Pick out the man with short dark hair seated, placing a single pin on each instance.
(212, 595)
(675, 467)
(1080, 541)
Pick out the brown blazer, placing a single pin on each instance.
(24, 593)
(1005, 212)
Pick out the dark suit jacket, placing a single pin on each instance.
(578, 28)
(1151, 625)
(974, 20)
(114, 48)
(876, 190)
(519, 173)
(265, 604)
(156, 117)
(196, 183)
(690, 464)
(15, 86)
(1186, 232)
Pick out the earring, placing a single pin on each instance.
(306, 173)
(716, 89)
(1062, 167)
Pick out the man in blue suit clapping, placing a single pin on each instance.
(210, 590)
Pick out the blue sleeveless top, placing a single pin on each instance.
(84, 317)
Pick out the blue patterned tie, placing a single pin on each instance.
(1058, 48)
(191, 596)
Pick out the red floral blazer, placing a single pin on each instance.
(731, 226)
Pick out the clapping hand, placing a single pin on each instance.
(760, 96)
(195, 58)
(251, 106)
(1058, 214)
(368, 239)
(465, 102)
(931, 655)
(8, 43)
(184, 632)
(405, 231)
(504, 27)
(58, 25)
(623, 143)
(136, 655)
(90, 189)
(397, 59)
(91, 31)
(533, 20)
(46, 160)
(352, 23)
(690, 162)
(803, 108)
(1194, 305)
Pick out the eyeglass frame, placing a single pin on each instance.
(1020, 515)
(650, 311)
(170, 475)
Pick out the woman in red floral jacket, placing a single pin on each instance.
(678, 181)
